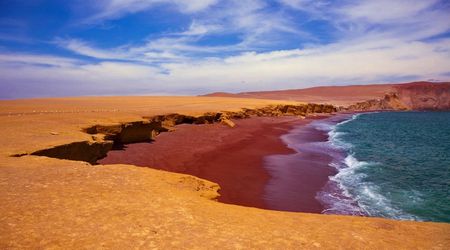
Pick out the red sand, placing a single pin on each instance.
(298, 177)
(231, 157)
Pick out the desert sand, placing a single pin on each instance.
(56, 203)
(336, 95)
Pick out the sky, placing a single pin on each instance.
(190, 47)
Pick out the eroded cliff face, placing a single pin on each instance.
(425, 96)
(389, 102)
(106, 137)
(412, 96)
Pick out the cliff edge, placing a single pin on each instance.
(411, 96)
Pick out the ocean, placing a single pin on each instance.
(390, 164)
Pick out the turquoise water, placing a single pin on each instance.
(394, 165)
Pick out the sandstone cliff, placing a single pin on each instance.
(411, 96)
(425, 96)
(105, 137)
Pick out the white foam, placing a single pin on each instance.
(323, 126)
(336, 141)
(347, 174)
(352, 162)
(347, 192)
(379, 205)
(354, 117)
(335, 137)
(335, 196)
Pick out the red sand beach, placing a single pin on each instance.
(235, 159)
(299, 176)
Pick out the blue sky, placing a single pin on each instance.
(177, 47)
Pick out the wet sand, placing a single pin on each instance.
(236, 159)
(297, 178)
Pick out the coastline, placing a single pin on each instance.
(371, 156)
(298, 178)
(231, 157)
(236, 159)
(124, 206)
(276, 163)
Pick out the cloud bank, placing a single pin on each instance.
(240, 46)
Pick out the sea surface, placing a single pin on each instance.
(390, 164)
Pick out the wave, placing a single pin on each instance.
(348, 192)
(336, 195)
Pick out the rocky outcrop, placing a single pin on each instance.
(78, 151)
(389, 102)
(425, 96)
(206, 189)
(411, 96)
(147, 130)
(107, 137)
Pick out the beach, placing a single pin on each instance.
(231, 157)
(251, 162)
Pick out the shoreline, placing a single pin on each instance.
(231, 157)
(126, 206)
(333, 196)
(297, 178)
(236, 159)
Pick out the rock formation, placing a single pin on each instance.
(412, 96)
(425, 96)
(106, 137)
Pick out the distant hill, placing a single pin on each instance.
(414, 95)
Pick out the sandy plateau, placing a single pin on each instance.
(56, 203)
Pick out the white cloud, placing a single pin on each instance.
(404, 19)
(194, 5)
(375, 41)
(252, 22)
(65, 77)
(196, 29)
(111, 9)
(257, 22)
(83, 48)
(334, 64)
(304, 4)
(42, 60)
(296, 68)
(149, 53)
(382, 11)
